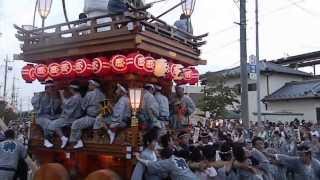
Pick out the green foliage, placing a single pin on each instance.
(7, 113)
(217, 98)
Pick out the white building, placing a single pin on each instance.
(297, 97)
(273, 77)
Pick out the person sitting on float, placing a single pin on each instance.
(120, 116)
(47, 108)
(71, 110)
(91, 105)
(149, 112)
(121, 6)
(163, 104)
(184, 25)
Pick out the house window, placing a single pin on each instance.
(252, 87)
(318, 114)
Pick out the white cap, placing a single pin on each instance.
(122, 88)
(94, 83)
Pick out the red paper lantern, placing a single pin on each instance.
(175, 72)
(195, 76)
(83, 67)
(119, 64)
(149, 65)
(54, 70)
(135, 63)
(187, 76)
(66, 69)
(41, 72)
(101, 66)
(28, 73)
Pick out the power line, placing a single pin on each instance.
(304, 9)
(293, 3)
(236, 3)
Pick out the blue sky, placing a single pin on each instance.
(287, 27)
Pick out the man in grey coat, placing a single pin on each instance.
(140, 172)
(163, 104)
(305, 166)
(121, 114)
(47, 106)
(182, 106)
(11, 152)
(150, 107)
(184, 25)
(91, 105)
(71, 110)
(177, 168)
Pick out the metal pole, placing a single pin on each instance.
(65, 13)
(42, 24)
(34, 14)
(5, 77)
(169, 10)
(243, 65)
(258, 64)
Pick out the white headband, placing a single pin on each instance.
(94, 83)
(158, 87)
(49, 85)
(74, 86)
(122, 88)
(149, 85)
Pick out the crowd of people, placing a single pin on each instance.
(226, 150)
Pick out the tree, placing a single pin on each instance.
(7, 112)
(217, 98)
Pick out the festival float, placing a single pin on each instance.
(133, 49)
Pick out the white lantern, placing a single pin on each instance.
(161, 68)
(188, 6)
(135, 95)
(44, 7)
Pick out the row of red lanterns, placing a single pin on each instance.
(117, 64)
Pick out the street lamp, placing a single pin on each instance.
(135, 95)
(44, 7)
(187, 9)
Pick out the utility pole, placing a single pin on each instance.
(5, 77)
(243, 65)
(13, 93)
(258, 64)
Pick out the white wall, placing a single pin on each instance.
(276, 81)
(306, 106)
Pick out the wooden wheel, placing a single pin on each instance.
(52, 171)
(103, 174)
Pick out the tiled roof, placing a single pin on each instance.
(296, 90)
(266, 67)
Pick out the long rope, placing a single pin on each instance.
(34, 14)
(65, 13)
